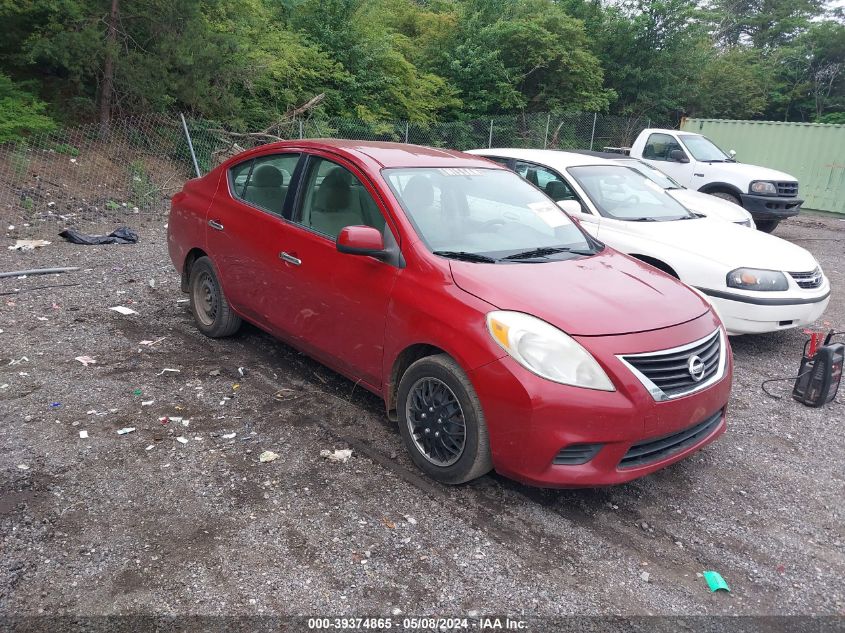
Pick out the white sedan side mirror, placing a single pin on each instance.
(570, 206)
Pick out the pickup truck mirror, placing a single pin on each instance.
(678, 156)
(732, 153)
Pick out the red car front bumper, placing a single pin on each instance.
(531, 419)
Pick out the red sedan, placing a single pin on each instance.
(499, 334)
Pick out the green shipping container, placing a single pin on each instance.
(812, 152)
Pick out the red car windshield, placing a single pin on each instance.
(490, 213)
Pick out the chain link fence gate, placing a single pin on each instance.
(74, 178)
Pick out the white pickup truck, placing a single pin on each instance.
(697, 163)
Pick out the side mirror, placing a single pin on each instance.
(361, 240)
(570, 206)
(732, 153)
(678, 156)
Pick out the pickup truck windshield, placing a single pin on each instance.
(480, 215)
(623, 193)
(703, 149)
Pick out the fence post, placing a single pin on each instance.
(593, 133)
(490, 136)
(406, 131)
(546, 136)
(190, 144)
(301, 136)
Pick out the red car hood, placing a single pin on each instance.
(608, 293)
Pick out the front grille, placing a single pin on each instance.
(812, 279)
(672, 373)
(576, 454)
(788, 189)
(659, 448)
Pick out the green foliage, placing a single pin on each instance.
(21, 113)
(244, 64)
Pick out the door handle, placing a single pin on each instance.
(290, 259)
(215, 225)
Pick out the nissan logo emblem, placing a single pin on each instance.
(696, 368)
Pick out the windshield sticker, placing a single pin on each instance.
(549, 213)
(460, 171)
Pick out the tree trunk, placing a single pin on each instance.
(108, 73)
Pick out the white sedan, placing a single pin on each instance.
(756, 282)
(695, 201)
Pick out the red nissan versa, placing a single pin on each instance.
(499, 334)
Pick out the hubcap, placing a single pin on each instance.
(205, 299)
(436, 421)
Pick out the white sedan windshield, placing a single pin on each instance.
(486, 212)
(625, 194)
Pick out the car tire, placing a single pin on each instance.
(456, 449)
(213, 314)
(767, 226)
(724, 195)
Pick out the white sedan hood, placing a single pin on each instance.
(727, 244)
(709, 205)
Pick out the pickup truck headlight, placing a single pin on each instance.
(763, 187)
(546, 351)
(754, 279)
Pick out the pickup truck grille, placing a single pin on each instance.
(787, 189)
(812, 279)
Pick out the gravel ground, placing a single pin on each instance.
(143, 524)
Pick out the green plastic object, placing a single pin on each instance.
(137, 392)
(715, 581)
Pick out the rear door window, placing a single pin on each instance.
(263, 182)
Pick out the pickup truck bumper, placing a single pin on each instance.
(770, 207)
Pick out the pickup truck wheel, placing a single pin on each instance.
(441, 421)
(767, 226)
(213, 314)
(724, 195)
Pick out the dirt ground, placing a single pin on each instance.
(143, 524)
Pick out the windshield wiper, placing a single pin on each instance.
(466, 256)
(548, 250)
(643, 219)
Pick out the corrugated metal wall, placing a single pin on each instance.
(812, 152)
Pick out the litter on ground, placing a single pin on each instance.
(341, 455)
(125, 430)
(268, 456)
(715, 581)
(123, 310)
(228, 436)
(86, 360)
(147, 403)
(182, 439)
(28, 245)
(168, 370)
(83, 435)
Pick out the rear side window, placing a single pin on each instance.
(264, 181)
(658, 146)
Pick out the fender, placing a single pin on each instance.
(710, 187)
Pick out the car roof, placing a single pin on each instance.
(607, 155)
(386, 154)
(554, 157)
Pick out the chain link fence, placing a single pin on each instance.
(76, 178)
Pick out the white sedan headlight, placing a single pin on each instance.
(764, 187)
(755, 279)
(546, 351)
